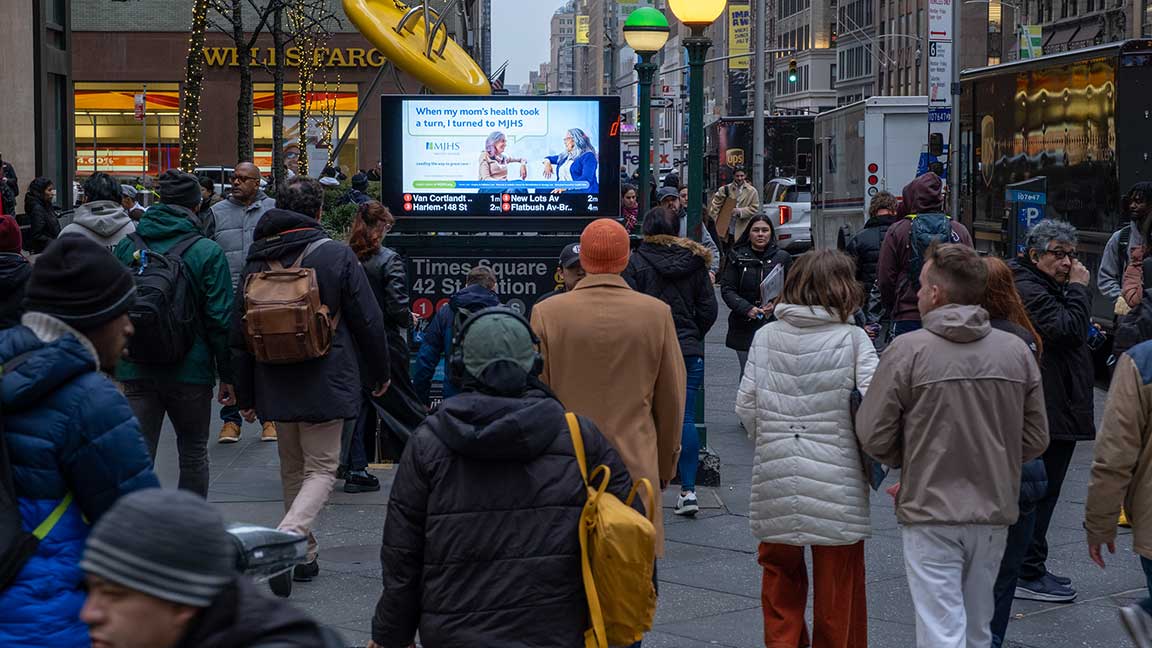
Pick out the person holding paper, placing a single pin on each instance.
(808, 483)
(752, 259)
(493, 162)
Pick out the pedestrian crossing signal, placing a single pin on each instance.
(792, 75)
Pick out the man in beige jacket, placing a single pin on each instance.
(1122, 474)
(959, 408)
(611, 354)
(746, 204)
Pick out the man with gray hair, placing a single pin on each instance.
(1054, 286)
(161, 572)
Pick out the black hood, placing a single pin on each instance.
(674, 257)
(881, 221)
(475, 298)
(243, 616)
(1023, 268)
(280, 233)
(481, 426)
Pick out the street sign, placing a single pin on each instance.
(939, 115)
(940, 20)
(662, 102)
(940, 73)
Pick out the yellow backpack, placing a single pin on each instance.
(618, 553)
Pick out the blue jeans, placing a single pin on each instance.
(901, 327)
(231, 414)
(1146, 604)
(1019, 540)
(690, 437)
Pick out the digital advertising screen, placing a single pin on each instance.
(500, 162)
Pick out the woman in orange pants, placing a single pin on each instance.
(808, 487)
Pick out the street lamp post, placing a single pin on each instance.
(645, 31)
(697, 15)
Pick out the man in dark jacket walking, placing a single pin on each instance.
(73, 442)
(1054, 287)
(676, 271)
(478, 294)
(864, 248)
(161, 573)
(182, 391)
(309, 401)
(459, 539)
(895, 275)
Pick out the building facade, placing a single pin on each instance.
(36, 42)
(808, 27)
(561, 75)
(122, 61)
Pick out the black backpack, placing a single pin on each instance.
(927, 229)
(164, 314)
(16, 544)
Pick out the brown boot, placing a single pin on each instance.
(230, 433)
(269, 431)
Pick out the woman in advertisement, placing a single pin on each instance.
(577, 163)
(493, 162)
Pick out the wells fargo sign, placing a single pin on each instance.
(340, 57)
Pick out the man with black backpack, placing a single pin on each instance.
(303, 312)
(69, 444)
(182, 317)
(1137, 205)
(479, 292)
(906, 245)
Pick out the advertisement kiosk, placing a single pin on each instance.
(502, 181)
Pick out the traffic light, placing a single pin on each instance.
(792, 75)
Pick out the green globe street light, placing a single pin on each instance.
(645, 31)
(697, 15)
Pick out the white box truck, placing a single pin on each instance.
(862, 149)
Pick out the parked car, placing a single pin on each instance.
(789, 204)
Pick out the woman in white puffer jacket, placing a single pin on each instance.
(808, 486)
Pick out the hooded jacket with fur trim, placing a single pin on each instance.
(675, 271)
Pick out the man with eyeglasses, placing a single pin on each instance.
(234, 221)
(1054, 286)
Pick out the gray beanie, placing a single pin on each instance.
(170, 544)
(498, 335)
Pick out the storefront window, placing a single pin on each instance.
(113, 136)
(331, 112)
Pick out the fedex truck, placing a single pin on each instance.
(861, 149)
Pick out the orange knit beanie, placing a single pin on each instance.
(604, 247)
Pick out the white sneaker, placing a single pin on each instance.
(1138, 624)
(686, 504)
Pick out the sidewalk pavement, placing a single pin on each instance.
(709, 580)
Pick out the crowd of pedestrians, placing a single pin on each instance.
(970, 376)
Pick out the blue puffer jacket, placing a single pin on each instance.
(68, 429)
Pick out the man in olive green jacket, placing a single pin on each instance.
(1122, 474)
(183, 390)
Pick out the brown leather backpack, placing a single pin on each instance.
(284, 320)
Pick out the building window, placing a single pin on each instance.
(832, 76)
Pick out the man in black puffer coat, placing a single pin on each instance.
(480, 543)
(864, 247)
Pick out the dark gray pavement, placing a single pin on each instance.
(709, 580)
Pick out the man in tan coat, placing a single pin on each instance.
(611, 354)
(1122, 474)
(745, 203)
